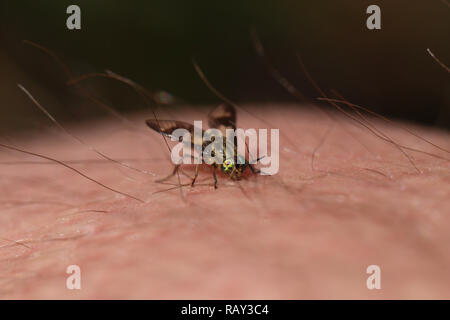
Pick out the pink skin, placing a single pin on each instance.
(302, 233)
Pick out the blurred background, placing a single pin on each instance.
(153, 42)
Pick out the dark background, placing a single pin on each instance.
(154, 41)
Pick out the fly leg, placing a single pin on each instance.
(185, 174)
(254, 170)
(195, 175)
(175, 169)
(214, 176)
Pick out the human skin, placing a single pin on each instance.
(309, 231)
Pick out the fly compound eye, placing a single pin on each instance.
(228, 165)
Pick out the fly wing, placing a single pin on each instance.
(222, 118)
(166, 127)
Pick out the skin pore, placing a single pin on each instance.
(343, 199)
